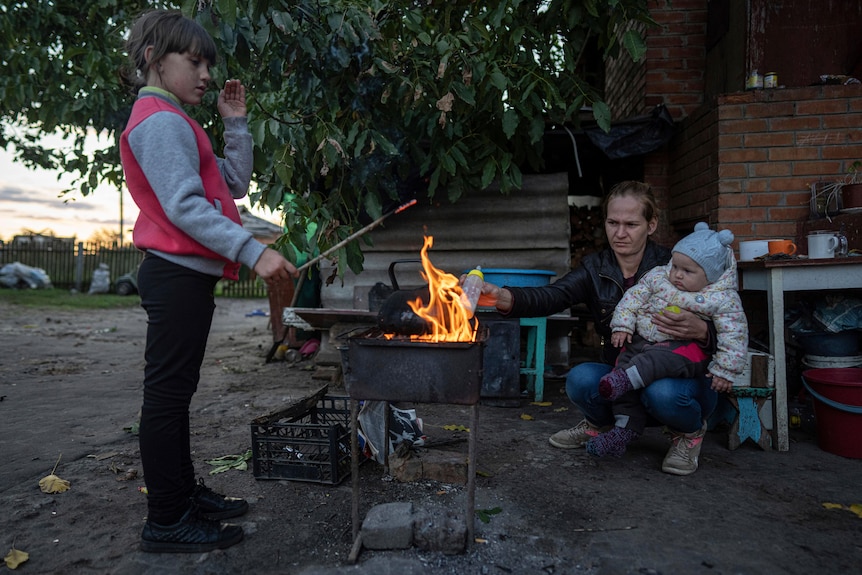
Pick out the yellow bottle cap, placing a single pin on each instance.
(477, 272)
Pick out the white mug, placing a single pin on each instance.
(821, 246)
(751, 249)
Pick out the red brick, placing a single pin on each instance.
(732, 171)
(842, 121)
(731, 112)
(815, 168)
(821, 107)
(769, 169)
(770, 110)
(733, 200)
(764, 229)
(842, 152)
(741, 155)
(757, 186)
(768, 139)
(788, 213)
(795, 123)
(730, 141)
(818, 138)
(729, 188)
(779, 154)
(744, 126)
(744, 214)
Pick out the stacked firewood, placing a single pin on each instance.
(588, 232)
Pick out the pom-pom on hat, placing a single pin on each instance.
(711, 250)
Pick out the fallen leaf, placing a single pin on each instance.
(857, 509)
(53, 484)
(15, 558)
(485, 514)
(542, 403)
(227, 462)
(833, 506)
(456, 428)
(526, 417)
(143, 490)
(559, 409)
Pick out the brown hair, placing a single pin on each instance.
(167, 31)
(638, 190)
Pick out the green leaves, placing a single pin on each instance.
(347, 98)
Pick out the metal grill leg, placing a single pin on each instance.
(471, 473)
(354, 464)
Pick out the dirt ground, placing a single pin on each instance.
(70, 388)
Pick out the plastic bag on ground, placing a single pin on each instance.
(101, 280)
(18, 275)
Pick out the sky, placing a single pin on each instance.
(31, 201)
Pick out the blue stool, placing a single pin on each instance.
(534, 366)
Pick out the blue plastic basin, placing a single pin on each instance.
(517, 277)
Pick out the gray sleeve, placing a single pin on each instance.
(165, 147)
(238, 161)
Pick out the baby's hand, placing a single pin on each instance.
(720, 384)
(620, 338)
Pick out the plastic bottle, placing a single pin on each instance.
(471, 289)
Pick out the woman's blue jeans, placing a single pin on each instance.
(680, 404)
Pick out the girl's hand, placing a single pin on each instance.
(720, 384)
(273, 268)
(231, 100)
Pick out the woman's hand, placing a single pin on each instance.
(681, 325)
(231, 100)
(720, 384)
(492, 296)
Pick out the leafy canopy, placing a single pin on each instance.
(355, 105)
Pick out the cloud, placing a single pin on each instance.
(18, 195)
(12, 196)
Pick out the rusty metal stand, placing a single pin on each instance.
(470, 509)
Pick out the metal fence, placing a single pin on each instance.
(70, 265)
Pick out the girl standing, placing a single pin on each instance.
(190, 231)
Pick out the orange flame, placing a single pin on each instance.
(444, 313)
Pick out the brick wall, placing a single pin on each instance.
(672, 72)
(676, 56)
(747, 162)
(625, 83)
(693, 181)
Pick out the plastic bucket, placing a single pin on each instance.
(837, 396)
(820, 361)
(517, 277)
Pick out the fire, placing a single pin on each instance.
(444, 312)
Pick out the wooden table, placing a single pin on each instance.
(778, 277)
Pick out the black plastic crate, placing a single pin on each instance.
(307, 441)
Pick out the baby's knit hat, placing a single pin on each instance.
(711, 250)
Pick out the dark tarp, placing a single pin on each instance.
(636, 136)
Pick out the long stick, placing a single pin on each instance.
(354, 235)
